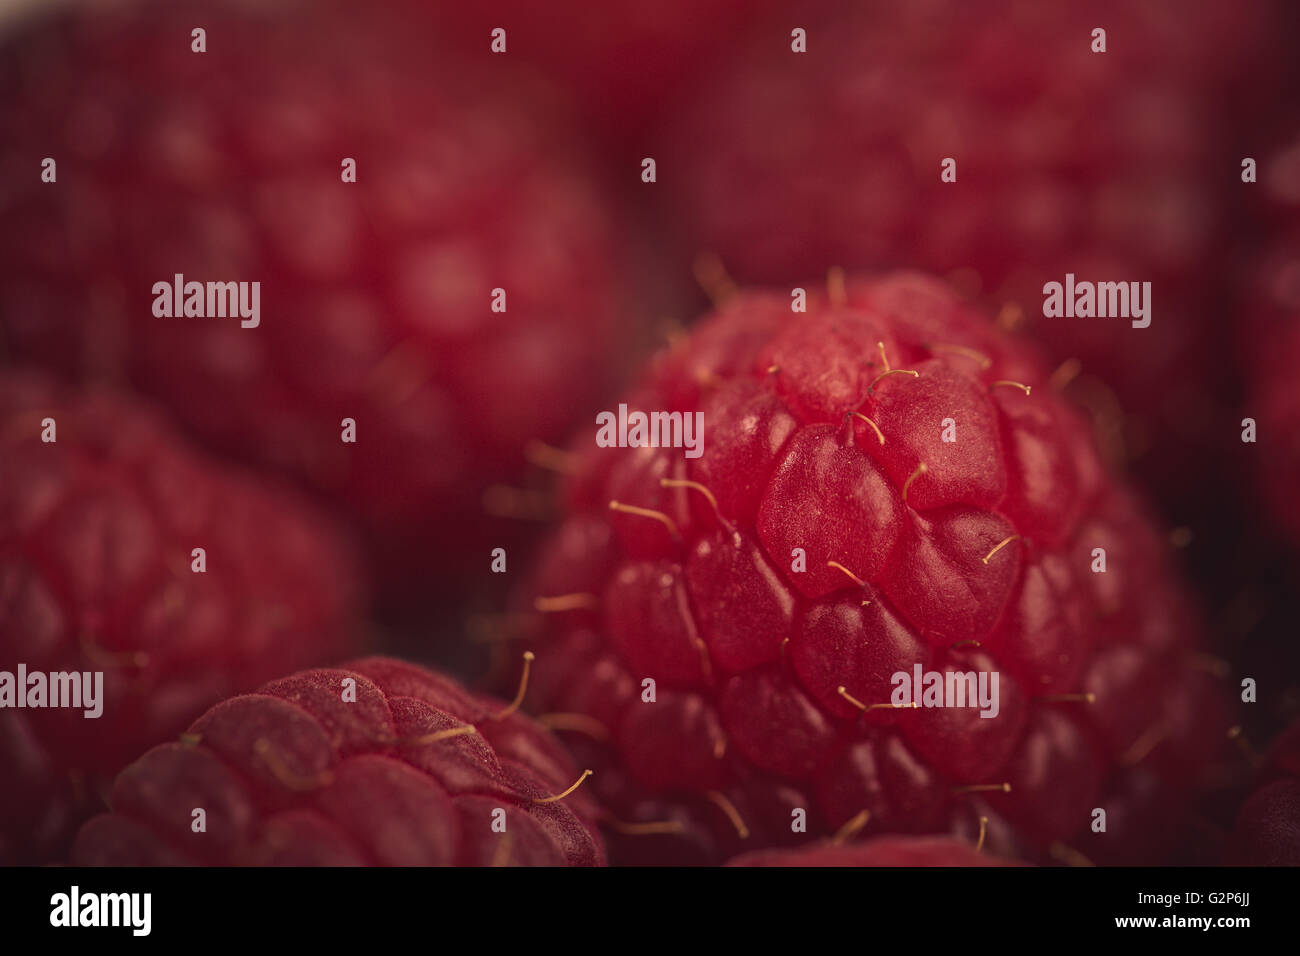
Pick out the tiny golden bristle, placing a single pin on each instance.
(852, 577)
(1065, 373)
(546, 456)
(999, 546)
(1088, 698)
(560, 796)
(851, 828)
(645, 829)
(727, 807)
(708, 495)
(1068, 855)
(893, 371)
(843, 692)
(874, 426)
(659, 516)
(523, 689)
(566, 602)
(921, 469)
(983, 788)
(289, 778)
(575, 723)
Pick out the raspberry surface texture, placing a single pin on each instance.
(379, 299)
(1267, 829)
(887, 484)
(412, 770)
(99, 573)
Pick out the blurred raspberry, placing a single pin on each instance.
(628, 63)
(299, 775)
(882, 851)
(97, 533)
(1267, 831)
(824, 442)
(1109, 166)
(376, 295)
(1268, 335)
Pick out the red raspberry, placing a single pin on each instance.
(882, 851)
(412, 772)
(824, 432)
(376, 296)
(1107, 166)
(1269, 341)
(626, 62)
(1273, 401)
(1267, 831)
(97, 538)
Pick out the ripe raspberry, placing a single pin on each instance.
(1269, 340)
(411, 772)
(1273, 401)
(627, 63)
(882, 851)
(376, 295)
(824, 444)
(1103, 165)
(1267, 831)
(97, 538)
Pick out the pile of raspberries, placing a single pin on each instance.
(651, 446)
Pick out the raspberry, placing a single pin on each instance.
(1102, 165)
(1270, 341)
(413, 771)
(1267, 831)
(376, 295)
(97, 538)
(627, 63)
(827, 539)
(882, 851)
(1274, 403)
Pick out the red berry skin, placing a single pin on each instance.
(295, 774)
(97, 532)
(982, 562)
(882, 851)
(376, 295)
(1267, 829)
(1108, 166)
